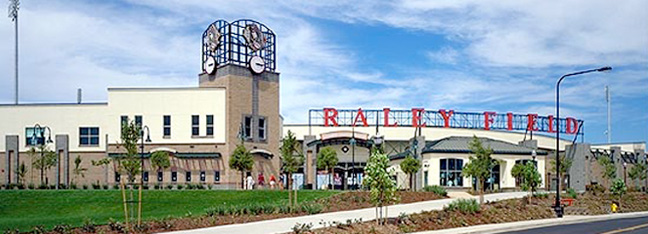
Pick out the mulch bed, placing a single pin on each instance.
(498, 212)
(338, 202)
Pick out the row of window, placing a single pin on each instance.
(88, 136)
(248, 127)
(166, 124)
(174, 176)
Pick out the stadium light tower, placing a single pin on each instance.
(14, 5)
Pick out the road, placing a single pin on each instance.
(626, 226)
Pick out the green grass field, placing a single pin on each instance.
(24, 209)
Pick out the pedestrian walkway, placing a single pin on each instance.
(285, 224)
(531, 224)
(461, 195)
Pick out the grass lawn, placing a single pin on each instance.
(24, 209)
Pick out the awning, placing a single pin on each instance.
(262, 152)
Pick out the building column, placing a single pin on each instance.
(13, 155)
(418, 154)
(579, 176)
(310, 167)
(62, 153)
(617, 160)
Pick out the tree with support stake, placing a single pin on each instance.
(130, 164)
(327, 159)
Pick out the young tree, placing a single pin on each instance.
(381, 186)
(609, 169)
(130, 163)
(46, 161)
(480, 165)
(22, 172)
(410, 166)
(78, 170)
(241, 160)
(160, 160)
(517, 173)
(327, 159)
(638, 173)
(565, 164)
(292, 161)
(531, 178)
(618, 188)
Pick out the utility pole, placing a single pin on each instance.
(608, 98)
(14, 5)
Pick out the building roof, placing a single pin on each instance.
(457, 144)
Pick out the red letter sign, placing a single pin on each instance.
(488, 120)
(362, 118)
(386, 111)
(551, 122)
(446, 117)
(329, 115)
(417, 117)
(531, 126)
(509, 121)
(572, 126)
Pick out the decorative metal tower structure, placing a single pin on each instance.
(14, 5)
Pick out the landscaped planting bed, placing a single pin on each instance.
(497, 212)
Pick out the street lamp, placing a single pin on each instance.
(148, 139)
(353, 143)
(624, 173)
(41, 130)
(557, 208)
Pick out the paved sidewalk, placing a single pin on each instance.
(532, 224)
(285, 224)
(461, 195)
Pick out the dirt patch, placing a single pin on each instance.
(361, 199)
(498, 212)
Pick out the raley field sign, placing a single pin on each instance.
(419, 117)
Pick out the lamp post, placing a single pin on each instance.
(415, 147)
(41, 130)
(353, 143)
(557, 208)
(148, 139)
(625, 177)
(14, 5)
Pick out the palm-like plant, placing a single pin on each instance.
(78, 170)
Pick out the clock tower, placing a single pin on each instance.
(240, 57)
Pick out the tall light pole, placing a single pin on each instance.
(148, 139)
(608, 99)
(557, 207)
(14, 5)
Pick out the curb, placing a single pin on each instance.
(532, 224)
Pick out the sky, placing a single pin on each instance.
(473, 55)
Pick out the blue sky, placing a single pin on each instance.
(464, 55)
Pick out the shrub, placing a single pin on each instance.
(10, 186)
(116, 226)
(115, 186)
(313, 208)
(302, 228)
(38, 229)
(466, 206)
(63, 186)
(441, 191)
(156, 186)
(52, 186)
(179, 187)
(96, 186)
(146, 187)
(20, 186)
(85, 186)
(572, 193)
(190, 186)
(42, 186)
(169, 186)
(31, 186)
(209, 186)
(105, 186)
(164, 223)
(595, 188)
(88, 226)
(541, 195)
(73, 186)
(12, 231)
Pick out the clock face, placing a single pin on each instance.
(257, 65)
(210, 65)
(254, 37)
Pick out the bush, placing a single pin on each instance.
(541, 195)
(156, 186)
(115, 186)
(73, 186)
(595, 188)
(466, 206)
(31, 186)
(179, 187)
(572, 193)
(88, 226)
(441, 191)
(116, 226)
(190, 186)
(20, 186)
(105, 186)
(42, 186)
(209, 186)
(169, 186)
(145, 187)
(96, 186)
(313, 208)
(85, 187)
(38, 229)
(62, 228)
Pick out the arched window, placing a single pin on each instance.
(450, 172)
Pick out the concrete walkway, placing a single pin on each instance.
(532, 224)
(285, 224)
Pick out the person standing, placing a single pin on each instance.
(250, 182)
(272, 182)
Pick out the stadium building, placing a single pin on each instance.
(237, 100)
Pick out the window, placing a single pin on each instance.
(89, 136)
(124, 120)
(34, 136)
(247, 127)
(425, 178)
(188, 176)
(451, 172)
(146, 176)
(262, 128)
(167, 125)
(117, 177)
(160, 176)
(174, 176)
(216, 176)
(138, 120)
(210, 125)
(203, 177)
(195, 125)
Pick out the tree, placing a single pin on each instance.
(291, 160)
(531, 178)
(609, 169)
(381, 186)
(618, 188)
(480, 165)
(130, 163)
(22, 172)
(241, 160)
(638, 173)
(517, 173)
(327, 159)
(410, 166)
(46, 161)
(78, 170)
(160, 160)
(565, 164)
